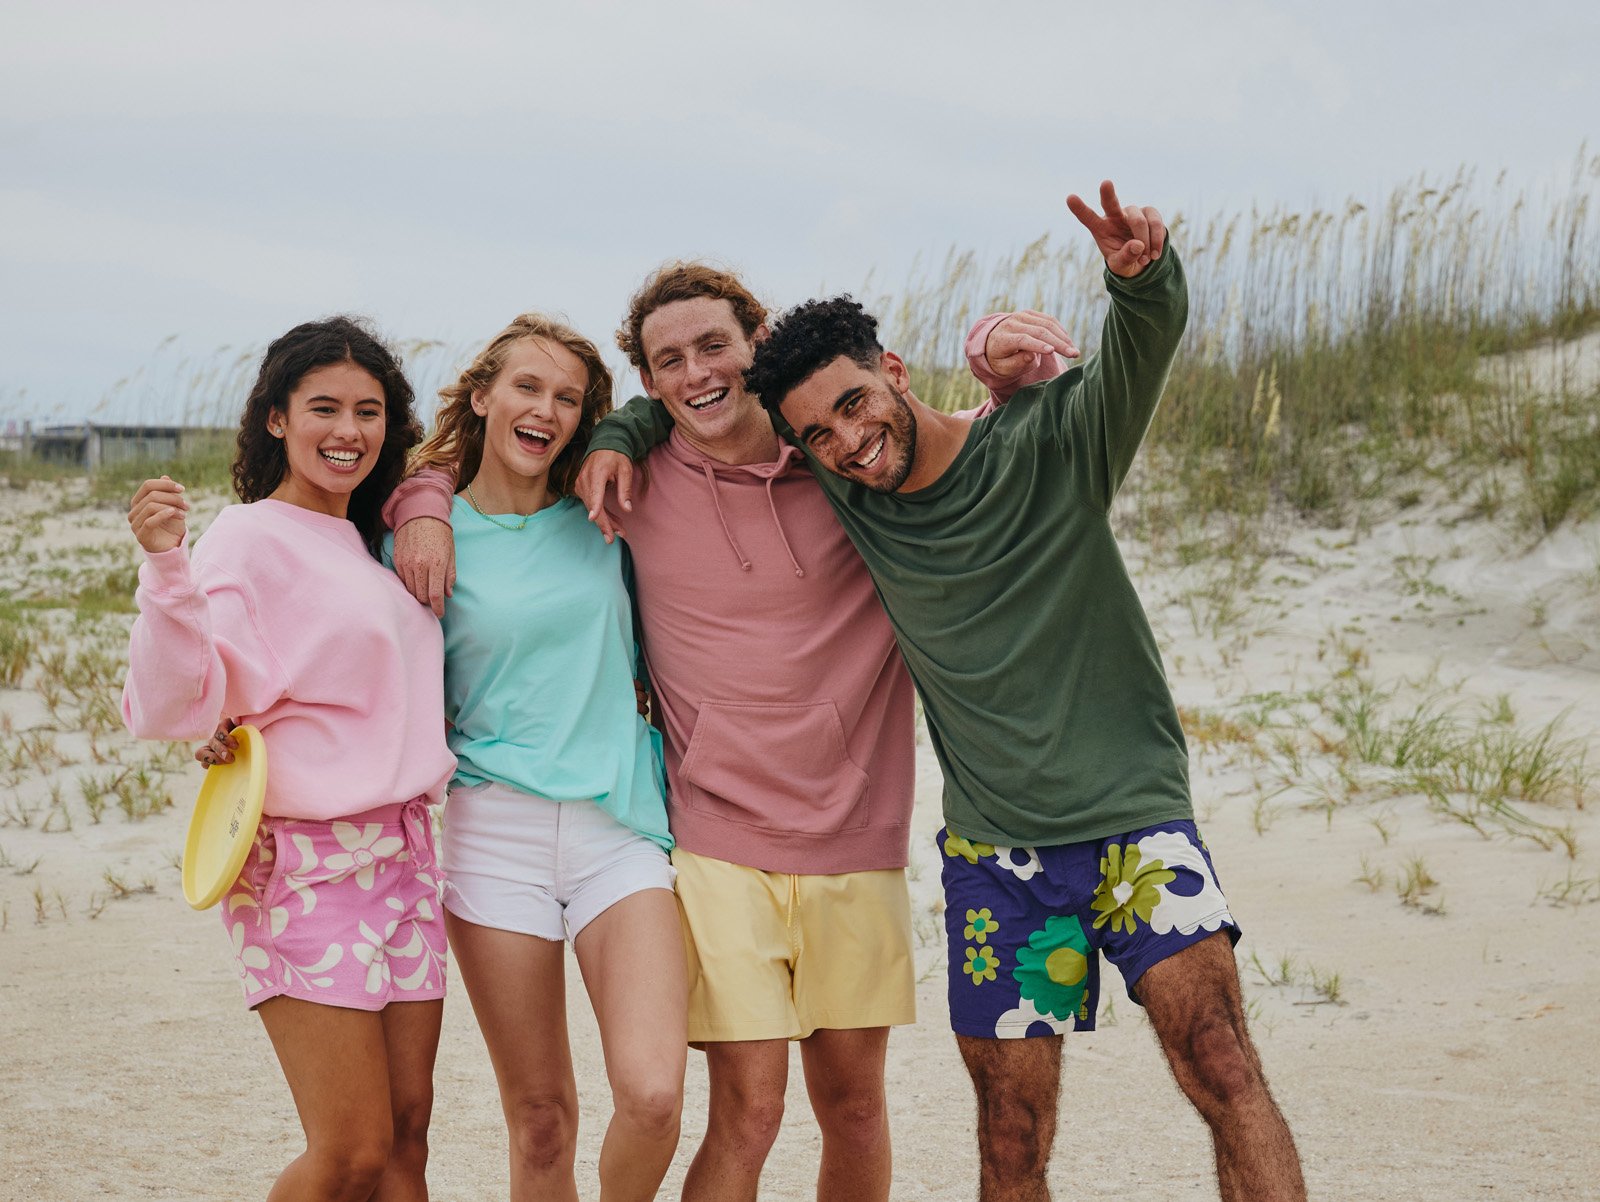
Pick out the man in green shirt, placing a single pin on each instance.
(1069, 825)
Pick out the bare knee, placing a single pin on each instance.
(544, 1130)
(411, 1119)
(856, 1115)
(651, 1109)
(748, 1121)
(1014, 1134)
(354, 1161)
(1213, 1062)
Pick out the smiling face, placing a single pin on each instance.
(532, 407)
(695, 354)
(856, 421)
(332, 429)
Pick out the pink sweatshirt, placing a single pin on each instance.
(282, 619)
(786, 709)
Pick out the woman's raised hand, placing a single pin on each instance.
(159, 514)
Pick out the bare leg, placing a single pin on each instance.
(844, 1078)
(337, 1068)
(1194, 1004)
(1017, 1082)
(517, 984)
(632, 962)
(411, 1037)
(748, 1079)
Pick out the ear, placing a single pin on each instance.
(896, 372)
(762, 333)
(650, 389)
(479, 405)
(276, 421)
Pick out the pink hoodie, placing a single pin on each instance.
(281, 619)
(786, 709)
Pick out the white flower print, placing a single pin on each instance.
(1207, 908)
(374, 954)
(363, 848)
(249, 957)
(1004, 857)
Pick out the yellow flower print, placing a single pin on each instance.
(955, 845)
(1129, 888)
(980, 925)
(981, 964)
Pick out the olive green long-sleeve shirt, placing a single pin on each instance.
(1044, 692)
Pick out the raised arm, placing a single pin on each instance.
(196, 652)
(1106, 405)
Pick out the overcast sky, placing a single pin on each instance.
(220, 171)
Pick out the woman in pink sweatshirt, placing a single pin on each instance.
(283, 617)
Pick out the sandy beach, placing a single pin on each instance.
(1422, 965)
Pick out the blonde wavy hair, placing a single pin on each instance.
(456, 444)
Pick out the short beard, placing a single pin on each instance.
(903, 425)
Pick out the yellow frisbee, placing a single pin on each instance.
(224, 821)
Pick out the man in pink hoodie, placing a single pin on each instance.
(790, 757)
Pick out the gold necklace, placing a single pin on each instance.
(486, 517)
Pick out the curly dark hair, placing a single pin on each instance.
(260, 462)
(806, 339)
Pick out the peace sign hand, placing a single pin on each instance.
(1129, 237)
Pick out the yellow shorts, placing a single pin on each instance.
(775, 955)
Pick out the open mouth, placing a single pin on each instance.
(533, 439)
(709, 399)
(874, 452)
(343, 460)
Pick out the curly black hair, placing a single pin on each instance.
(260, 462)
(806, 339)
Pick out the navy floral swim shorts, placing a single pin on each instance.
(1026, 925)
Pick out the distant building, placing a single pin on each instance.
(90, 445)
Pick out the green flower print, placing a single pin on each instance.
(1129, 888)
(981, 964)
(955, 845)
(980, 925)
(1053, 969)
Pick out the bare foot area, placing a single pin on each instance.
(1388, 720)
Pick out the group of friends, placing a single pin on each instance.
(689, 751)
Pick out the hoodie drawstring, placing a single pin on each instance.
(782, 537)
(711, 480)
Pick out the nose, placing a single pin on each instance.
(345, 427)
(696, 367)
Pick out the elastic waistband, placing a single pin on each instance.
(391, 813)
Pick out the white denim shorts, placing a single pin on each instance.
(519, 863)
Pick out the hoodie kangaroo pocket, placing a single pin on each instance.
(776, 766)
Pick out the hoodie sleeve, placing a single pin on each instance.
(197, 652)
(636, 429)
(428, 494)
(1001, 389)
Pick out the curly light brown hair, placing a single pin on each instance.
(456, 444)
(679, 280)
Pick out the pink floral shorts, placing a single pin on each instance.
(344, 913)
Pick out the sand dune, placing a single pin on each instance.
(1425, 1040)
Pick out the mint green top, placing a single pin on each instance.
(539, 664)
(1045, 696)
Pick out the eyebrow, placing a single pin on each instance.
(844, 398)
(724, 335)
(366, 400)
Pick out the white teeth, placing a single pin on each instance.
(341, 456)
(532, 433)
(876, 451)
(710, 398)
